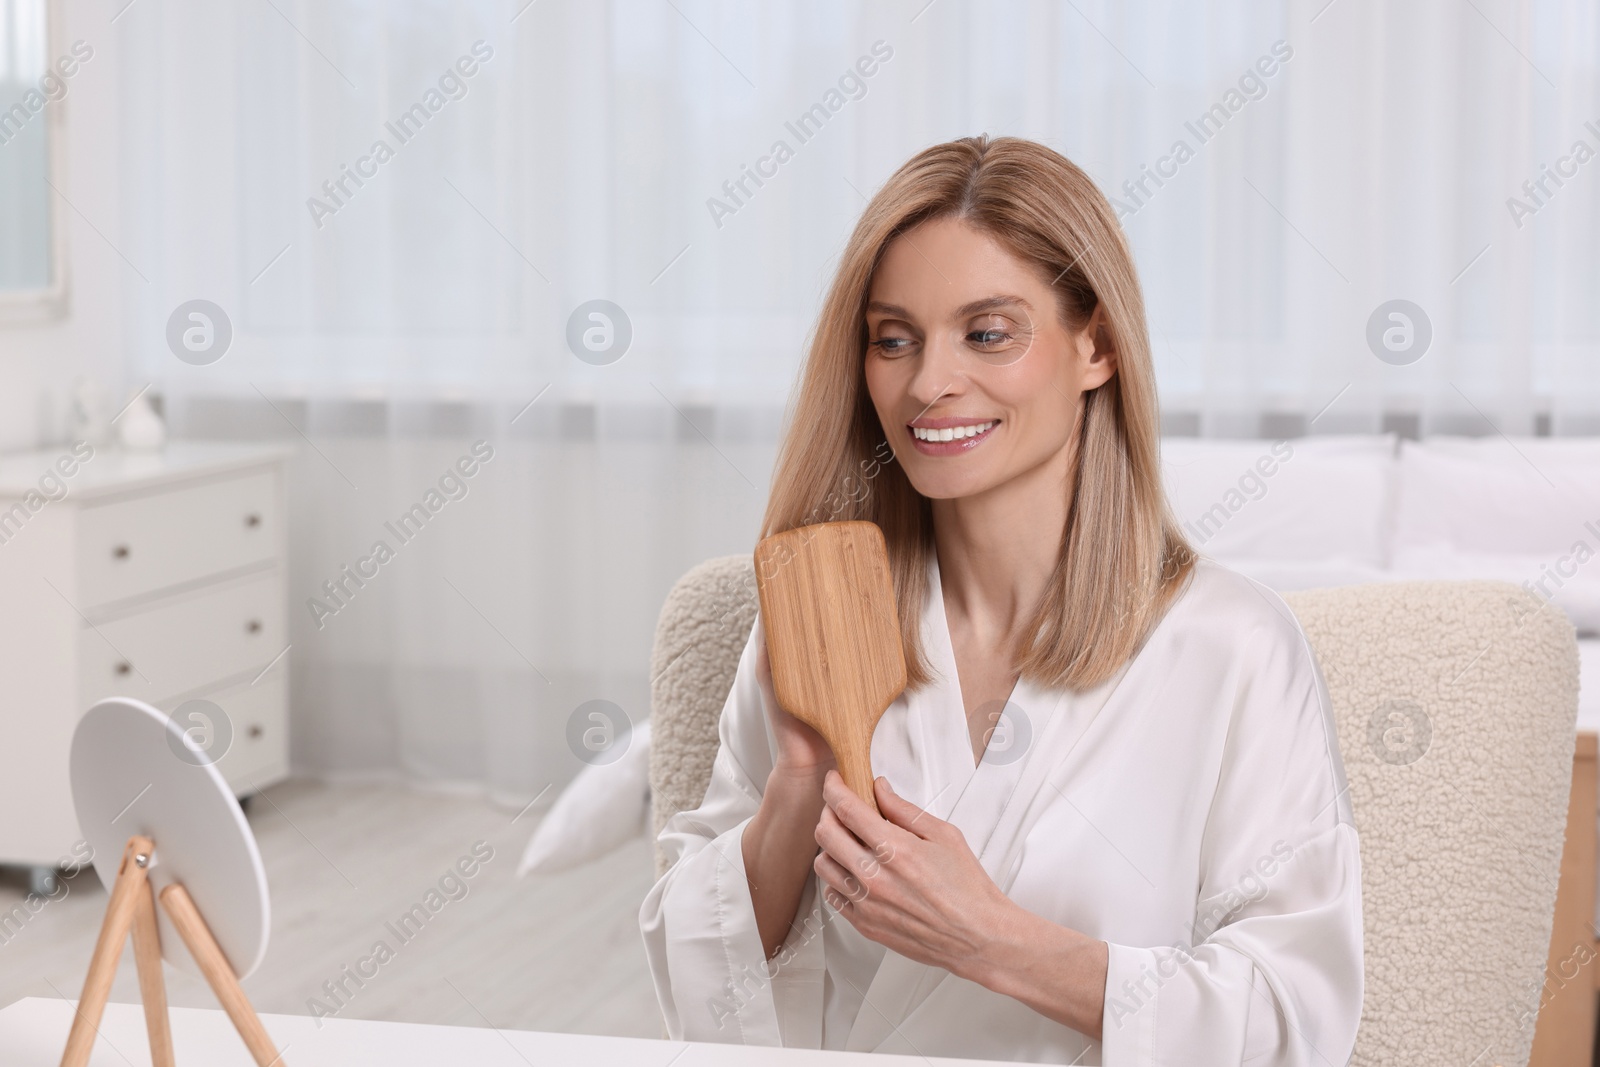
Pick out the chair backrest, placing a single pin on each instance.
(1456, 705)
(703, 628)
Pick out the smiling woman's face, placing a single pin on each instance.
(974, 377)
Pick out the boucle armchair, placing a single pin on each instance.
(1455, 704)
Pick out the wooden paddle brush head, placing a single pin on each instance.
(833, 635)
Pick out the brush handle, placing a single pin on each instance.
(855, 767)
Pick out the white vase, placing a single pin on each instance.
(140, 429)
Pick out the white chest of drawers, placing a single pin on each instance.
(158, 576)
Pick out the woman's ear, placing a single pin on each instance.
(1097, 351)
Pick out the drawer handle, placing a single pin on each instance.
(252, 520)
(255, 731)
(253, 626)
(120, 552)
(124, 667)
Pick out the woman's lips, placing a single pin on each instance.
(954, 446)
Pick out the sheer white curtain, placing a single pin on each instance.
(1338, 156)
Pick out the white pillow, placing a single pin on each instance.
(1515, 450)
(1309, 498)
(1589, 685)
(1534, 498)
(1576, 592)
(600, 809)
(1287, 575)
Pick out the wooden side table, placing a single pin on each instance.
(1564, 1035)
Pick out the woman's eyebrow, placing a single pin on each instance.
(988, 303)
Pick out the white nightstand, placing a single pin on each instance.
(161, 576)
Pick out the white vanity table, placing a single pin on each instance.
(32, 1032)
(160, 576)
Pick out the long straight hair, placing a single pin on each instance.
(1122, 558)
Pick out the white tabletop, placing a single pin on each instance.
(33, 1032)
(112, 469)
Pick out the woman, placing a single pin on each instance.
(1114, 826)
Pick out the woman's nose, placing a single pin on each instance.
(938, 371)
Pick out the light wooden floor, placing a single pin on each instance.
(558, 953)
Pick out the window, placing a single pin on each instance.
(32, 83)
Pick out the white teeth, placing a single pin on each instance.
(952, 433)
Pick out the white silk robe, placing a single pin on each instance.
(1191, 812)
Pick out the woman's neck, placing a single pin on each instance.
(998, 549)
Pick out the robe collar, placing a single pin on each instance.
(993, 803)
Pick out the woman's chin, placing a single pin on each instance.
(951, 485)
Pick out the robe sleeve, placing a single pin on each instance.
(711, 975)
(1272, 974)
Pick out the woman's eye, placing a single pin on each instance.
(991, 331)
(989, 338)
(891, 346)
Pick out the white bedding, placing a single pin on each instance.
(1589, 713)
(1589, 684)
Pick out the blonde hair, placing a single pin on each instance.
(1123, 558)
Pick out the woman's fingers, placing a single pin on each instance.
(856, 814)
(838, 879)
(837, 841)
(901, 812)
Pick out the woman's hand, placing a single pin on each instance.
(908, 881)
(802, 753)
(777, 844)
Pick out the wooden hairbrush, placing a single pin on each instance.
(833, 635)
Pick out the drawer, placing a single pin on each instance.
(253, 737)
(183, 645)
(257, 725)
(259, 715)
(131, 547)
